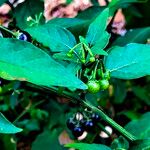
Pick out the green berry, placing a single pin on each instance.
(92, 59)
(93, 86)
(104, 84)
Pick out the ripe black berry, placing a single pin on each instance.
(24, 36)
(77, 131)
(89, 124)
(95, 117)
(71, 123)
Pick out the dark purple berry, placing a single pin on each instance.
(24, 36)
(71, 123)
(95, 117)
(89, 124)
(77, 131)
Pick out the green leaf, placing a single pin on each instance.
(141, 145)
(76, 25)
(97, 28)
(95, 2)
(129, 62)
(68, 1)
(55, 37)
(119, 91)
(120, 144)
(83, 40)
(2, 1)
(93, 99)
(8, 142)
(142, 94)
(7, 127)
(20, 60)
(141, 127)
(131, 114)
(26, 9)
(133, 21)
(48, 140)
(56, 109)
(29, 125)
(139, 35)
(84, 146)
(63, 56)
(90, 13)
(100, 44)
(115, 4)
(67, 22)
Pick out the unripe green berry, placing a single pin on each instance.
(93, 86)
(92, 59)
(104, 84)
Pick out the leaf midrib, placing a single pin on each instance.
(126, 65)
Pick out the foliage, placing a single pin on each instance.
(6, 126)
(83, 146)
(76, 69)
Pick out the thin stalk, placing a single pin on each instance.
(72, 49)
(83, 53)
(103, 116)
(111, 122)
(89, 50)
(27, 109)
(95, 69)
(76, 54)
(5, 29)
(85, 104)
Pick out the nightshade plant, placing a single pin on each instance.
(75, 59)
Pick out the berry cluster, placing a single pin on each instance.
(95, 86)
(78, 126)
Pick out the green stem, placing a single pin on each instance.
(89, 50)
(102, 115)
(27, 110)
(76, 54)
(5, 29)
(111, 122)
(83, 53)
(72, 49)
(85, 104)
(95, 70)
